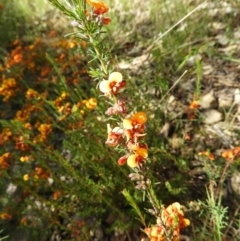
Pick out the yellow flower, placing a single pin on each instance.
(91, 103)
(134, 160)
(45, 129)
(25, 158)
(140, 149)
(26, 177)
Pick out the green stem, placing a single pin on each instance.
(97, 51)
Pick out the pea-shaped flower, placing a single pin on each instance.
(113, 85)
(134, 160)
(136, 121)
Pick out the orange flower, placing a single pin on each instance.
(21, 143)
(23, 221)
(45, 71)
(191, 111)
(174, 213)
(138, 148)
(231, 153)
(17, 58)
(236, 151)
(6, 216)
(135, 121)
(99, 7)
(56, 195)
(172, 219)
(45, 129)
(40, 173)
(31, 94)
(155, 233)
(194, 105)
(134, 126)
(113, 85)
(7, 88)
(5, 160)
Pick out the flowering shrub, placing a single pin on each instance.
(129, 131)
(48, 136)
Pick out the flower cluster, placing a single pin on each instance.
(37, 174)
(131, 129)
(37, 103)
(65, 108)
(5, 136)
(45, 130)
(8, 88)
(231, 154)
(172, 220)
(207, 154)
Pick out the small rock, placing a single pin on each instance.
(237, 96)
(235, 182)
(11, 189)
(217, 26)
(207, 69)
(208, 100)
(222, 39)
(238, 111)
(193, 59)
(50, 181)
(165, 130)
(225, 101)
(211, 116)
(176, 142)
(98, 233)
(119, 237)
(67, 154)
(171, 99)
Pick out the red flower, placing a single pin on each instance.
(122, 160)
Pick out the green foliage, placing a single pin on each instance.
(131, 201)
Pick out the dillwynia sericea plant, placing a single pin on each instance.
(88, 17)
